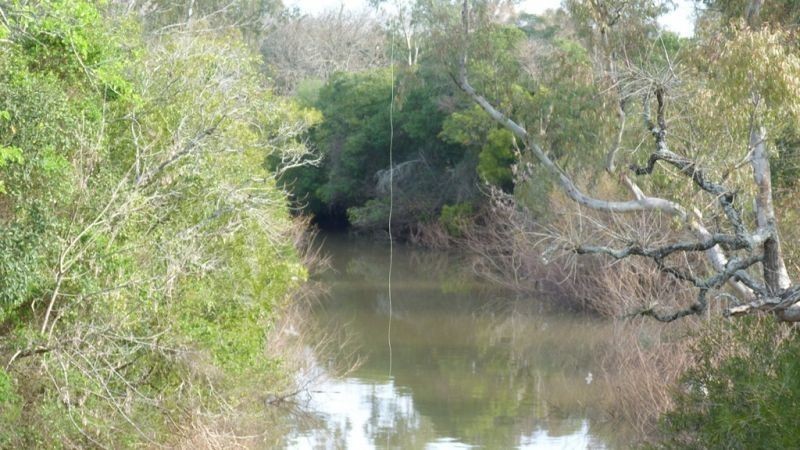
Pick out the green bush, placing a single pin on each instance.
(496, 159)
(455, 217)
(9, 405)
(743, 391)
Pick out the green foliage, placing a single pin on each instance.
(760, 61)
(784, 12)
(564, 101)
(143, 239)
(374, 213)
(52, 104)
(7, 391)
(570, 106)
(70, 40)
(10, 155)
(10, 407)
(455, 217)
(494, 67)
(624, 25)
(468, 127)
(433, 123)
(231, 328)
(496, 158)
(354, 135)
(785, 164)
(743, 391)
(351, 182)
(307, 92)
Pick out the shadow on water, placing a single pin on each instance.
(469, 368)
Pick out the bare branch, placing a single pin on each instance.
(731, 242)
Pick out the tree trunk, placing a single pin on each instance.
(776, 277)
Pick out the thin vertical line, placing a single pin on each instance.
(391, 201)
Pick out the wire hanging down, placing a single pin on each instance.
(391, 200)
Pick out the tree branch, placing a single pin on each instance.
(732, 242)
(686, 166)
(644, 203)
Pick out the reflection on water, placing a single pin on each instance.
(468, 369)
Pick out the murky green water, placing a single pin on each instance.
(467, 368)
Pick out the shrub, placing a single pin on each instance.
(743, 390)
(455, 217)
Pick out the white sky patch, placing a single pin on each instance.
(680, 21)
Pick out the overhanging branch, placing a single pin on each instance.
(761, 246)
(644, 203)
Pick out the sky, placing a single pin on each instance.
(680, 21)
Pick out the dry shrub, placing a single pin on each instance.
(430, 235)
(215, 433)
(642, 365)
(535, 255)
(612, 287)
(306, 240)
(508, 250)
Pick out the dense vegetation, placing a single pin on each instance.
(599, 100)
(148, 151)
(742, 392)
(443, 147)
(446, 151)
(144, 244)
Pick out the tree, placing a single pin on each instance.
(302, 47)
(350, 183)
(736, 244)
(785, 12)
(252, 18)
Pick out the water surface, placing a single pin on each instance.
(450, 363)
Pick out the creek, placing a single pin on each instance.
(449, 363)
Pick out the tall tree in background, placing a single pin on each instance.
(302, 48)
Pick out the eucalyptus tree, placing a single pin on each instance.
(697, 166)
(783, 12)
